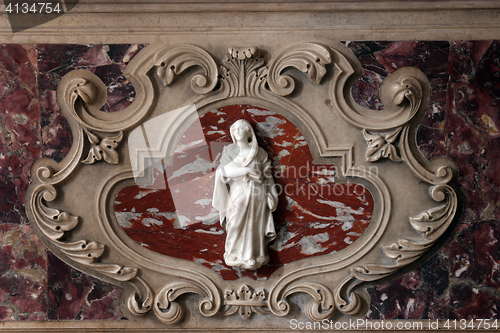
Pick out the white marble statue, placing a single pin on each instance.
(245, 196)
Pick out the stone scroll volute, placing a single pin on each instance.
(71, 203)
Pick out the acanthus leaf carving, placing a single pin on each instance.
(76, 90)
(245, 301)
(244, 72)
(140, 302)
(103, 149)
(241, 71)
(170, 312)
(172, 61)
(404, 93)
(321, 307)
(382, 146)
(54, 224)
(346, 301)
(407, 88)
(432, 223)
(437, 171)
(82, 251)
(84, 89)
(309, 58)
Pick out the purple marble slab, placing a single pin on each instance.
(23, 274)
(462, 122)
(31, 126)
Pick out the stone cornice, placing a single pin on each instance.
(189, 6)
(148, 21)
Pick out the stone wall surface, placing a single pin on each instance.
(462, 280)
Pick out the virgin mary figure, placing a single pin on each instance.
(245, 196)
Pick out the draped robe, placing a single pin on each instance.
(245, 205)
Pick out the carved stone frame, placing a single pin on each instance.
(71, 203)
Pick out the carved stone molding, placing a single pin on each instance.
(71, 203)
(152, 21)
(245, 301)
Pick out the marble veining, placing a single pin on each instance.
(462, 122)
(315, 215)
(31, 127)
(461, 280)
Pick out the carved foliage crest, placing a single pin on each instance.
(90, 238)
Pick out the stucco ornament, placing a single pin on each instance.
(71, 203)
(245, 196)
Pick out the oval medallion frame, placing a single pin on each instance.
(71, 203)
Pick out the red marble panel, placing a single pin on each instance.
(175, 216)
(20, 142)
(23, 277)
(75, 295)
(71, 294)
(461, 122)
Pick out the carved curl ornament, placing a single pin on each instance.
(71, 203)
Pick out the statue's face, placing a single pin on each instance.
(241, 132)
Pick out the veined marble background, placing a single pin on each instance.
(316, 214)
(462, 280)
